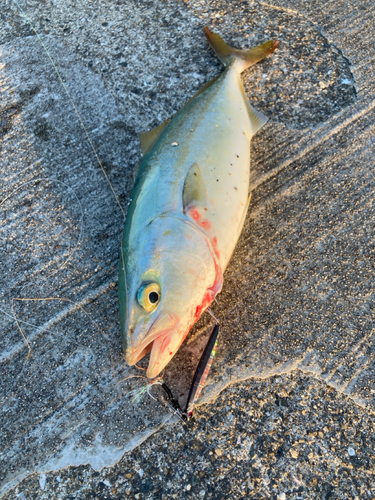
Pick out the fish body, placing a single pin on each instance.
(187, 212)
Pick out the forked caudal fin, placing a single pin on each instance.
(244, 58)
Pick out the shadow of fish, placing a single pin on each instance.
(188, 208)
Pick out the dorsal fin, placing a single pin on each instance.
(148, 139)
(194, 187)
(205, 87)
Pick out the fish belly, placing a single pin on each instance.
(225, 166)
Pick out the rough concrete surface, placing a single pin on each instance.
(290, 401)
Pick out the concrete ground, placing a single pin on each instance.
(289, 408)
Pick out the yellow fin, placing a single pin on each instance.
(194, 187)
(244, 58)
(148, 139)
(257, 119)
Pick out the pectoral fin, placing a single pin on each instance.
(194, 187)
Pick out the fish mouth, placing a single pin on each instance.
(159, 336)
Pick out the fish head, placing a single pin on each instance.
(168, 277)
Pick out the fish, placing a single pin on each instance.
(188, 208)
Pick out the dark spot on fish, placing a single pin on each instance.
(105, 24)
(195, 173)
(235, 188)
(237, 156)
(217, 180)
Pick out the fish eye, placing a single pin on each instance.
(153, 297)
(149, 296)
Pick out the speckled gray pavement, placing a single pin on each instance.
(288, 411)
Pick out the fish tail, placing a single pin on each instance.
(244, 58)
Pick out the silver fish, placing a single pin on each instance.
(187, 211)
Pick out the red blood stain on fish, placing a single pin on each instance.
(216, 247)
(207, 299)
(195, 214)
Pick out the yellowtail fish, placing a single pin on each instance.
(188, 208)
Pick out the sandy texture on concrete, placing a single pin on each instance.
(297, 306)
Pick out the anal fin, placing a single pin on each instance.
(257, 119)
